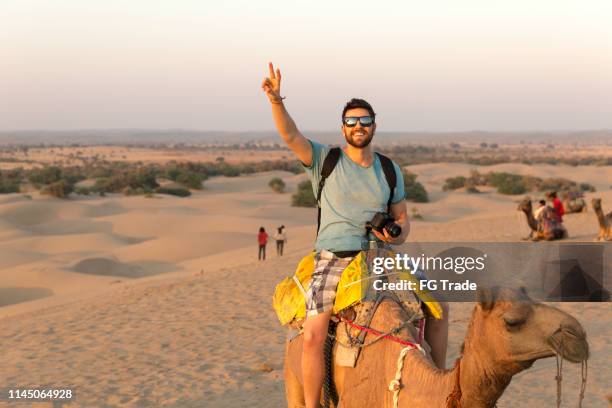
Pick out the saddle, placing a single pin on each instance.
(290, 294)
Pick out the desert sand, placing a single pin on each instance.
(151, 302)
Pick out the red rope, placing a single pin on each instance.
(377, 333)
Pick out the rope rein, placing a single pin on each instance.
(559, 377)
(396, 383)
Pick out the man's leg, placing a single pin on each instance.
(313, 364)
(436, 335)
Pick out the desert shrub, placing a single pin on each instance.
(82, 191)
(46, 175)
(557, 184)
(415, 214)
(507, 183)
(587, 187)
(414, 191)
(277, 185)
(186, 176)
(8, 186)
(176, 191)
(229, 171)
(113, 184)
(59, 189)
(144, 177)
(453, 183)
(190, 180)
(304, 197)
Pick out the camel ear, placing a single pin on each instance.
(486, 298)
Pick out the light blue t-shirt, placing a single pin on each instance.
(351, 196)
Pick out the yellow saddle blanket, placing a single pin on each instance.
(289, 300)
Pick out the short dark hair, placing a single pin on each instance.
(542, 202)
(358, 103)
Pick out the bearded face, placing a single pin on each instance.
(358, 136)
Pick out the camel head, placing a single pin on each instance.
(596, 202)
(525, 206)
(513, 331)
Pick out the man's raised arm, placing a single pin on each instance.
(298, 144)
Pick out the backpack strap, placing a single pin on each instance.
(389, 170)
(328, 166)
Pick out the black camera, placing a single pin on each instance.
(382, 221)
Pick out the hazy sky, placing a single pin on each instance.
(424, 65)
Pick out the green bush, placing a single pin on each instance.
(507, 183)
(453, 183)
(277, 185)
(44, 176)
(414, 191)
(176, 191)
(304, 197)
(587, 187)
(186, 176)
(190, 180)
(8, 186)
(59, 189)
(82, 191)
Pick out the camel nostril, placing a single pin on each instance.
(571, 331)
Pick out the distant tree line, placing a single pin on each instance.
(131, 178)
(513, 184)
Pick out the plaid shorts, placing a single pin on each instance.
(322, 291)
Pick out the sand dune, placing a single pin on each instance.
(9, 296)
(196, 327)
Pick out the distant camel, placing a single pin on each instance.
(574, 206)
(507, 333)
(605, 221)
(550, 231)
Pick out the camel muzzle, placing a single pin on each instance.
(569, 341)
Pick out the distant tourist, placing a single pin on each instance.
(262, 239)
(280, 238)
(557, 205)
(539, 212)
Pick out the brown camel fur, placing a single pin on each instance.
(605, 221)
(537, 233)
(506, 334)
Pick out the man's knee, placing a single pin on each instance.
(314, 339)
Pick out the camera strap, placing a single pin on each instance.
(330, 163)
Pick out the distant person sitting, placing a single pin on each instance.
(557, 205)
(262, 239)
(539, 212)
(280, 238)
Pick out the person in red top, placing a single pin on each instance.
(262, 239)
(557, 205)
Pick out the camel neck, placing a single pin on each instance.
(600, 217)
(481, 382)
(530, 219)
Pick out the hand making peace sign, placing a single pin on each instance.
(271, 85)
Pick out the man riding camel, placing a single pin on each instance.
(354, 192)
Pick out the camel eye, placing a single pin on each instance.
(514, 323)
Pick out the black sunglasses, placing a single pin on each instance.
(364, 121)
